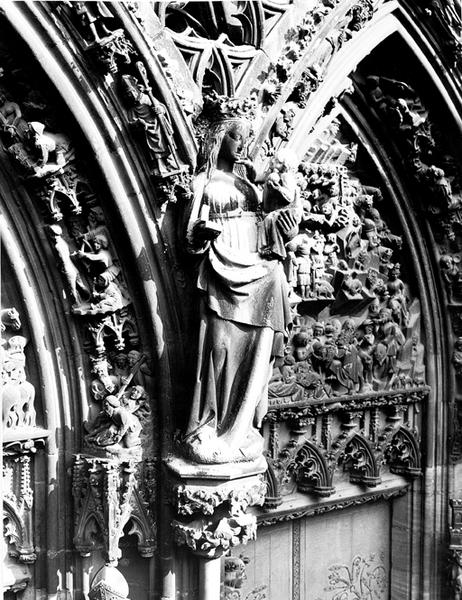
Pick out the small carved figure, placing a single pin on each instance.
(434, 179)
(120, 362)
(451, 275)
(352, 286)
(331, 250)
(300, 342)
(106, 295)
(384, 255)
(17, 394)
(280, 196)
(94, 17)
(411, 362)
(9, 317)
(283, 382)
(320, 287)
(380, 366)
(303, 269)
(283, 125)
(308, 379)
(392, 336)
(234, 575)
(115, 425)
(457, 356)
(374, 284)
(78, 289)
(98, 259)
(397, 293)
(11, 120)
(54, 150)
(105, 383)
(153, 118)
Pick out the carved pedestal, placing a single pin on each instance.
(211, 503)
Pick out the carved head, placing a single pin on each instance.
(36, 131)
(110, 404)
(380, 352)
(133, 357)
(131, 88)
(120, 361)
(136, 392)
(234, 141)
(394, 271)
(227, 128)
(100, 241)
(318, 329)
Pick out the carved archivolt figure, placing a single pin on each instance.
(11, 121)
(17, 394)
(152, 116)
(53, 150)
(115, 425)
(244, 310)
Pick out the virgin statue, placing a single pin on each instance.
(244, 314)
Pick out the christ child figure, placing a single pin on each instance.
(280, 201)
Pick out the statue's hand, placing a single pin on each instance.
(288, 225)
(251, 172)
(205, 231)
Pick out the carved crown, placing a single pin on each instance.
(223, 108)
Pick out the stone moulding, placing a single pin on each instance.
(287, 410)
(265, 520)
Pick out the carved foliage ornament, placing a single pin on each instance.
(365, 573)
(214, 517)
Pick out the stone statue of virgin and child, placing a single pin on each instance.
(244, 313)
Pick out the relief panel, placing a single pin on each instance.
(357, 564)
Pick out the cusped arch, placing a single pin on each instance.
(403, 453)
(360, 461)
(18, 532)
(313, 472)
